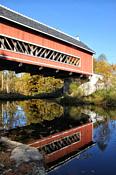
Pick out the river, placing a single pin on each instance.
(87, 134)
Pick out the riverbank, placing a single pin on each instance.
(17, 96)
(19, 159)
(105, 98)
(102, 97)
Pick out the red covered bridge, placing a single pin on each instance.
(29, 46)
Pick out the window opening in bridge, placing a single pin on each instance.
(61, 143)
(11, 44)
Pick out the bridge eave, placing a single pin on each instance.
(59, 35)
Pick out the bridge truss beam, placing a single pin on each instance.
(20, 46)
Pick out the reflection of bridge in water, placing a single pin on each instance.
(55, 141)
(64, 143)
(57, 138)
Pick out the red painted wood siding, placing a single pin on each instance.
(26, 35)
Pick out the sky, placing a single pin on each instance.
(94, 21)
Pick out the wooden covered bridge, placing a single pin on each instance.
(27, 45)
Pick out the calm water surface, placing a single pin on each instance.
(99, 159)
(26, 121)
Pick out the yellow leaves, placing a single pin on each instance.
(36, 84)
(104, 68)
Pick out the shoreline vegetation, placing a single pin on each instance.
(72, 101)
(17, 96)
(106, 98)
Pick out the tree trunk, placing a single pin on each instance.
(2, 86)
(7, 83)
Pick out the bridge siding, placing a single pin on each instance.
(37, 61)
(40, 39)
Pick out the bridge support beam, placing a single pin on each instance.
(66, 88)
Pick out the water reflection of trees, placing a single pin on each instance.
(104, 129)
(1, 114)
(18, 114)
(104, 123)
(43, 119)
(37, 111)
(107, 113)
(102, 136)
(11, 115)
(76, 113)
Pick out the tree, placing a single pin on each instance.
(102, 57)
(36, 84)
(2, 81)
(101, 66)
(7, 81)
(9, 77)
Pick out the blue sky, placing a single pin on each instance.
(93, 20)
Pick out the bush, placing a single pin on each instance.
(74, 89)
(106, 96)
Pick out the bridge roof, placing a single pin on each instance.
(42, 28)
